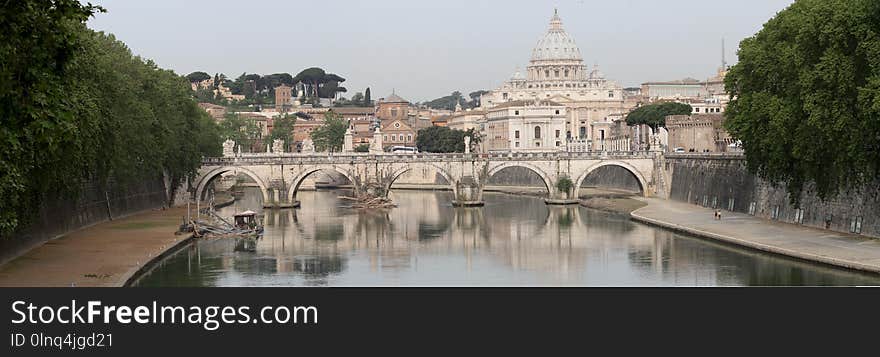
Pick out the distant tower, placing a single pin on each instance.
(723, 56)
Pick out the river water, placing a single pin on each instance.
(512, 241)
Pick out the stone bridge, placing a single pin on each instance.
(279, 176)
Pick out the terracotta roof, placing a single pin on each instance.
(353, 110)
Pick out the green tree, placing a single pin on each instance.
(448, 102)
(358, 99)
(79, 108)
(440, 139)
(654, 115)
(362, 148)
(40, 39)
(368, 102)
(806, 96)
(475, 97)
(197, 77)
(282, 128)
(564, 185)
(312, 78)
(331, 135)
(243, 131)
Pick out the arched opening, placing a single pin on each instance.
(317, 179)
(421, 176)
(229, 181)
(518, 178)
(611, 179)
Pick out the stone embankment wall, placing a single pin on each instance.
(59, 216)
(724, 182)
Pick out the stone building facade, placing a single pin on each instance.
(556, 72)
(698, 133)
(283, 98)
(526, 126)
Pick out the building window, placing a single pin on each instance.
(557, 135)
(385, 137)
(504, 95)
(583, 132)
(537, 132)
(408, 138)
(566, 73)
(557, 74)
(547, 73)
(393, 137)
(517, 144)
(538, 143)
(696, 109)
(610, 94)
(516, 134)
(557, 111)
(393, 112)
(558, 143)
(516, 112)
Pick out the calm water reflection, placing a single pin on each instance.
(512, 241)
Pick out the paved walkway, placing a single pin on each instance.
(846, 250)
(106, 254)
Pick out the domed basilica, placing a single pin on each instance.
(556, 73)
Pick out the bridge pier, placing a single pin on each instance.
(468, 193)
(277, 200)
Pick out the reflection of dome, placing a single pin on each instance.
(556, 44)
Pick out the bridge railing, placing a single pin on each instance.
(421, 157)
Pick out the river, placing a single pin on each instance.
(512, 241)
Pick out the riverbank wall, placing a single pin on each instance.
(724, 182)
(60, 215)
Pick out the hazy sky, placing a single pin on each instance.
(427, 49)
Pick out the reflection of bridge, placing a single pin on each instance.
(279, 176)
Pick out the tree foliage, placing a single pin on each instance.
(331, 135)
(806, 96)
(243, 131)
(448, 102)
(440, 139)
(564, 184)
(282, 128)
(76, 106)
(362, 148)
(196, 77)
(654, 115)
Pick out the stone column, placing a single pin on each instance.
(376, 146)
(348, 144)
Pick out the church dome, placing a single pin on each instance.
(556, 44)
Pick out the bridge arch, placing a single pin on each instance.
(397, 173)
(643, 184)
(298, 180)
(543, 175)
(205, 179)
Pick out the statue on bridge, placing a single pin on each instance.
(278, 146)
(376, 145)
(348, 140)
(308, 146)
(228, 148)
